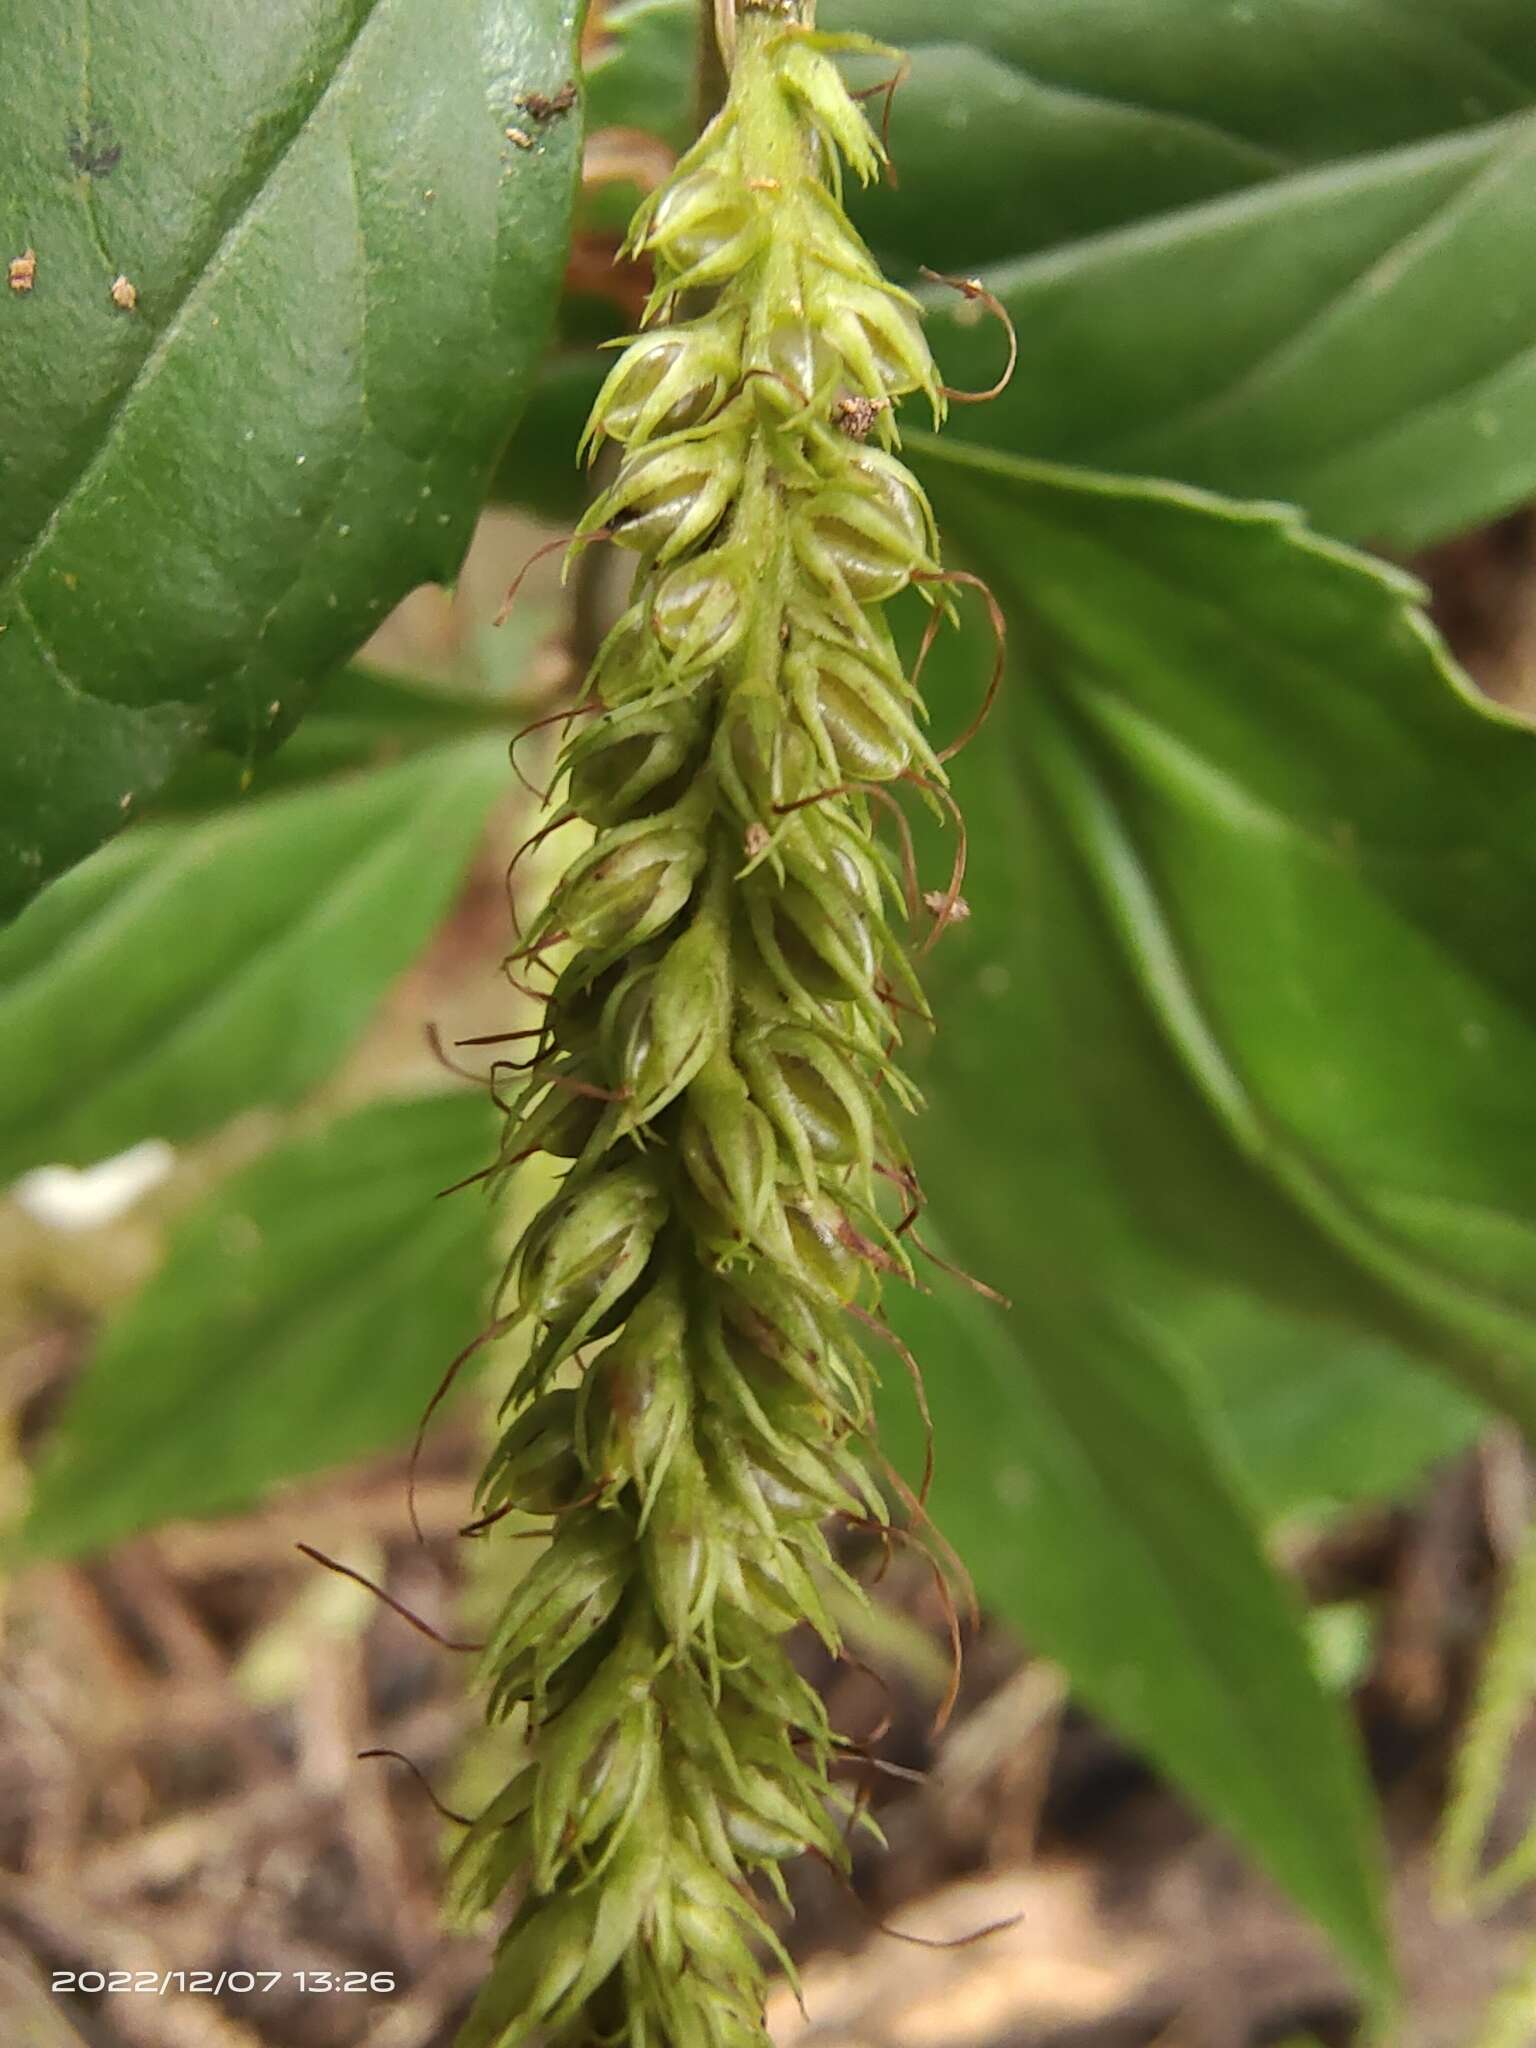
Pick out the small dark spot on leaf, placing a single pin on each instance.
(541, 106)
(94, 151)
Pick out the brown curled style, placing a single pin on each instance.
(929, 1941)
(422, 1628)
(493, 1330)
(959, 1273)
(530, 845)
(972, 289)
(914, 1372)
(882, 795)
(445, 1059)
(587, 708)
(460, 1820)
(892, 1532)
(912, 1194)
(940, 1543)
(947, 910)
(470, 1180)
(999, 623)
(889, 87)
(570, 541)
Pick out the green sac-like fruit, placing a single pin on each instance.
(535, 1467)
(705, 226)
(697, 612)
(668, 380)
(635, 762)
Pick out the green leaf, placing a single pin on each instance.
(1263, 249)
(303, 1316)
(1200, 1228)
(1355, 339)
(1024, 128)
(345, 270)
(189, 971)
(1317, 1416)
(362, 719)
(1077, 1481)
(1266, 249)
(1251, 892)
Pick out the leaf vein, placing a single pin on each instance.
(1386, 271)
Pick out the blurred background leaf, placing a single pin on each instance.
(301, 1318)
(1153, 108)
(1251, 869)
(192, 970)
(1229, 1094)
(1471, 1873)
(1261, 249)
(644, 69)
(363, 718)
(198, 522)
(1294, 380)
(1095, 1510)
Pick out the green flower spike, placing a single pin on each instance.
(716, 1067)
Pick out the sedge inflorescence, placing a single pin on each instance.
(716, 1065)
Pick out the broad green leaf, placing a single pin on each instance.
(1356, 339)
(189, 971)
(1268, 249)
(345, 269)
(1079, 1484)
(1024, 128)
(1317, 1416)
(1181, 1295)
(1247, 999)
(303, 1316)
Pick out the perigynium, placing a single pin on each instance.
(716, 1064)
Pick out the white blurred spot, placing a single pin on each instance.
(85, 1197)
